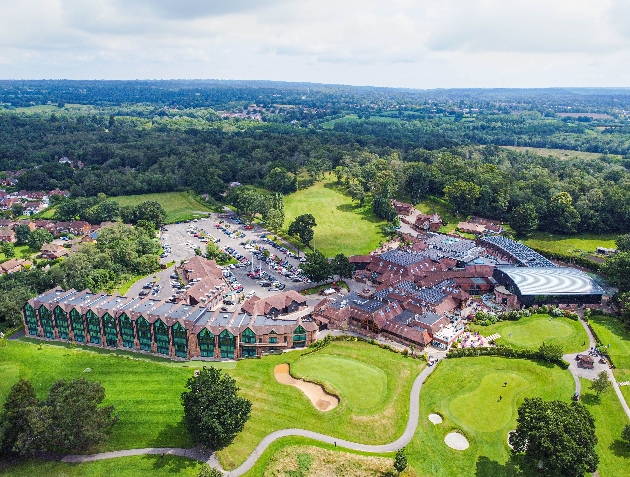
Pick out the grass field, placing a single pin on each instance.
(179, 206)
(342, 226)
(431, 205)
(530, 332)
(146, 393)
(614, 455)
(21, 251)
(560, 153)
(611, 331)
(465, 392)
(154, 466)
(575, 244)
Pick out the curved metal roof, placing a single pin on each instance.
(552, 281)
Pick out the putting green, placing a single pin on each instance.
(530, 332)
(361, 385)
(497, 401)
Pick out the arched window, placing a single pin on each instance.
(227, 343)
(161, 336)
(78, 327)
(31, 319)
(111, 331)
(180, 340)
(144, 333)
(48, 323)
(126, 330)
(299, 337)
(206, 343)
(62, 322)
(248, 336)
(94, 327)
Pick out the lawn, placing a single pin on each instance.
(466, 393)
(342, 226)
(145, 392)
(530, 332)
(179, 206)
(431, 205)
(560, 153)
(153, 465)
(21, 251)
(277, 406)
(361, 385)
(611, 331)
(573, 244)
(609, 417)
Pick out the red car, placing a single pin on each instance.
(249, 227)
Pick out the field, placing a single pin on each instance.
(152, 465)
(611, 331)
(530, 332)
(146, 394)
(466, 393)
(342, 226)
(179, 206)
(561, 153)
(431, 205)
(609, 421)
(21, 251)
(575, 244)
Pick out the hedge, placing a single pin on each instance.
(505, 352)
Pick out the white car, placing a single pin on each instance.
(251, 294)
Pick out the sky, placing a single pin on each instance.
(397, 43)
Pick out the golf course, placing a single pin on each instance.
(343, 226)
(531, 331)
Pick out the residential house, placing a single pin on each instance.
(14, 265)
(7, 235)
(53, 251)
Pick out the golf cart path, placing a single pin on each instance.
(576, 373)
(201, 455)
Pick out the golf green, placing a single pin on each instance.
(531, 331)
(471, 396)
(363, 386)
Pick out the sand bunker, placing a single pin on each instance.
(456, 441)
(320, 398)
(435, 418)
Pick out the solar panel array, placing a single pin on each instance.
(524, 255)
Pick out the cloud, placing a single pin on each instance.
(420, 43)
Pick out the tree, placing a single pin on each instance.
(557, 437)
(524, 219)
(68, 420)
(316, 267)
(207, 471)
(561, 216)
(13, 419)
(550, 352)
(39, 237)
(623, 243)
(625, 434)
(213, 411)
(8, 249)
(274, 220)
(17, 209)
(400, 461)
(22, 233)
(151, 211)
(302, 227)
(462, 195)
(601, 384)
(383, 209)
(341, 266)
(357, 193)
(617, 270)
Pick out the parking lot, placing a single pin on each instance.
(244, 242)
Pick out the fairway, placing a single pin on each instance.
(531, 331)
(469, 394)
(179, 206)
(362, 386)
(611, 332)
(146, 394)
(342, 226)
(573, 245)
